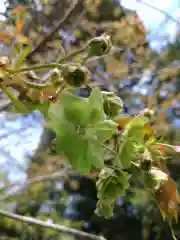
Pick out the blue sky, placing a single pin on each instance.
(151, 18)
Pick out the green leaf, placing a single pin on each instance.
(75, 149)
(56, 118)
(135, 128)
(55, 112)
(112, 104)
(16, 49)
(111, 183)
(80, 111)
(95, 154)
(131, 137)
(79, 136)
(84, 160)
(22, 56)
(105, 129)
(105, 208)
(42, 107)
(76, 109)
(81, 152)
(126, 153)
(95, 106)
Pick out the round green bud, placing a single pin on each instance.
(112, 104)
(99, 46)
(75, 74)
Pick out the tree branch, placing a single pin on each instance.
(54, 30)
(56, 227)
(48, 177)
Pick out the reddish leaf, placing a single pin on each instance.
(160, 148)
(168, 199)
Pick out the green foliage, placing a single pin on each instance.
(23, 53)
(111, 183)
(85, 126)
(84, 133)
(112, 104)
(132, 140)
(81, 129)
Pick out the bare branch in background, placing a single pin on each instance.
(56, 227)
(54, 30)
(49, 177)
(159, 10)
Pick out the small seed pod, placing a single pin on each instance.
(145, 165)
(75, 74)
(112, 104)
(99, 46)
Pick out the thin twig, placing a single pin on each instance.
(56, 227)
(73, 54)
(109, 149)
(33, 67)
(49, 65)
(159, 10)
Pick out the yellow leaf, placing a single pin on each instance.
(123, 120)
(5, 37)
(22, 39)
(19, 25)
(148, 129)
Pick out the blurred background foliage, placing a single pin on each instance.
(140, 75)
